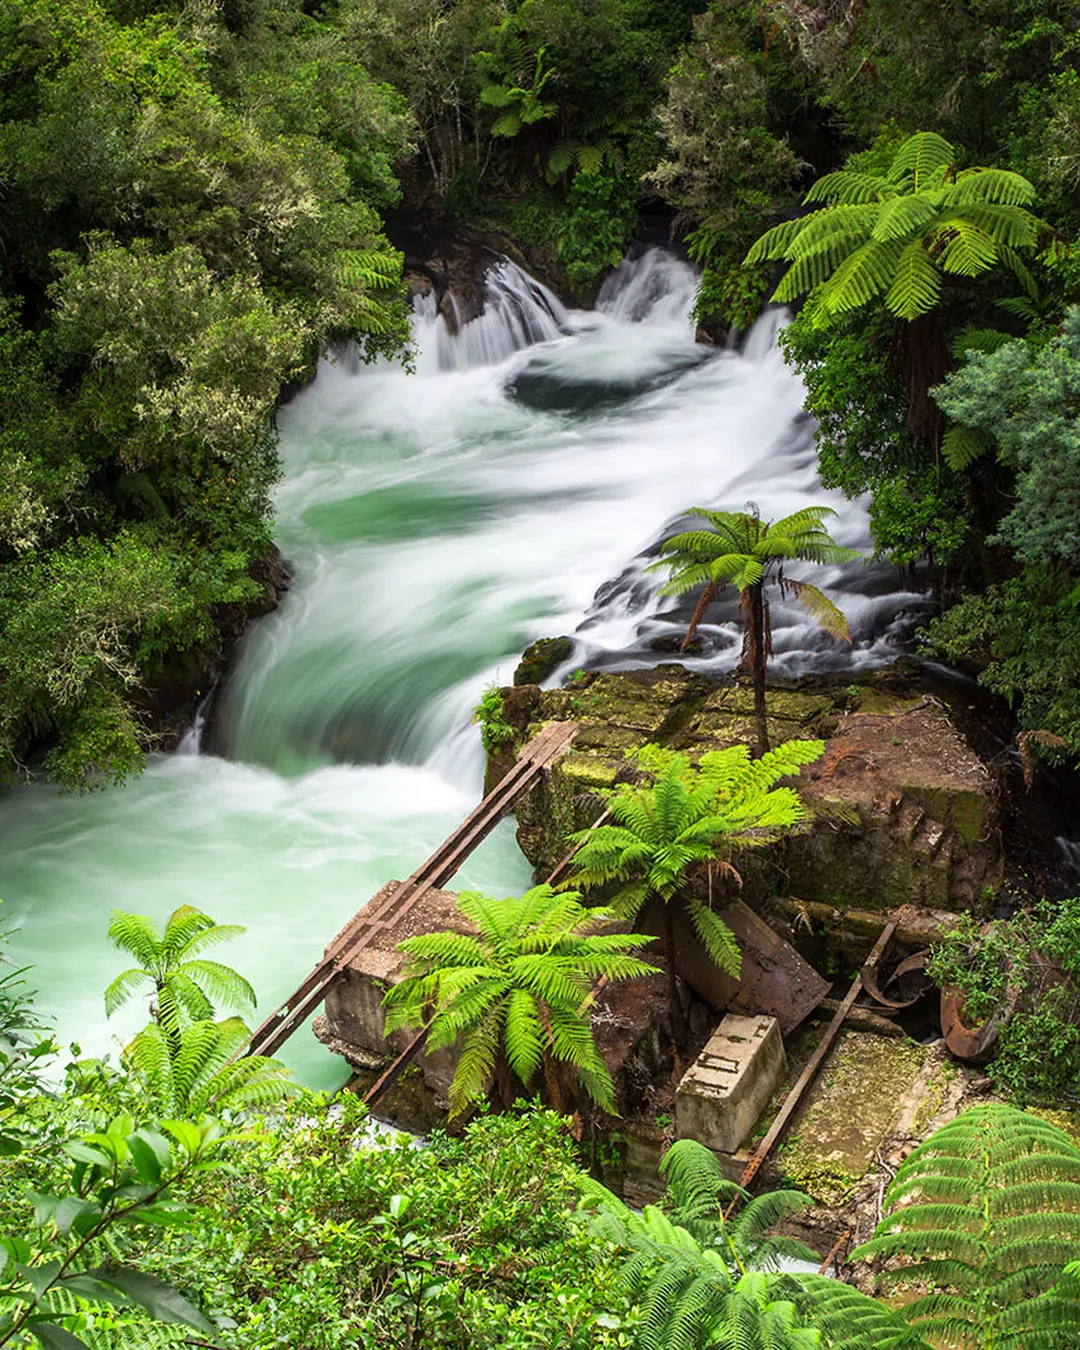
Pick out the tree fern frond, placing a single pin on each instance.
(774, 242)
(905, 216)
(822, 610)
(965, 250)
(920, 157)
(915, 283)
(860, 278)
(999, 186)
(846, 186)
(716, 936)
(961, 446)
(123, 987)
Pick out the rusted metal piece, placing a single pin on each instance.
(393, 1072)
(976, 1044)
(833, 1251)
(792, 1100)
(774, 980)
(546, 746)
(906, 967)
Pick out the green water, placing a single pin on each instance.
(434, 526)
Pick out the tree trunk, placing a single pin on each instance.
(708, 595)
(757, 647)
(680, 1032)
(926, 363)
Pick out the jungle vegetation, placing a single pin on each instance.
(192, 207)
(132, 1217)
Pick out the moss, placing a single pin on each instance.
(965, 811)
(1068, 1121)
(542, 659)
(848, 1113)
(933, 1099)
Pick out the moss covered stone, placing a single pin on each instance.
(848, 1113)
(542, 659)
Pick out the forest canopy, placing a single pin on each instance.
(193, 206)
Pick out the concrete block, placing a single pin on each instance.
(729, 1084)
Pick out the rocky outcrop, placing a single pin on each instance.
(902, 808)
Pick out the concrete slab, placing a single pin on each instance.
(848, 1113)
(728, 1086)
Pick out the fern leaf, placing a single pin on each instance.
(920, 157)
(961, 446)
(850, 188)
(916, 283)
(822, 610)
(860, 278)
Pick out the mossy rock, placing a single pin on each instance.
(542, 659)
(847, 1114)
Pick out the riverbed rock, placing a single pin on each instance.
(902, 808)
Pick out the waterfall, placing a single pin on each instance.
(516, 485)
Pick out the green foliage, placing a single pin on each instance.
(699, 1197)
(1024, 634)
(725, 169)
(1022, 397)
(187, 221)
(894, 236)
(495, 731)
(1025, 972)
(25, 1044)
(984, 1215)
(337, 1233)
(185, 984)
(705, 1293)
(197, 1072)
(738, 547)
(119, 1177)
(857, 393)
(520, 987)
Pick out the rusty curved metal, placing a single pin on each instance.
(976, 1044)
(906, 967)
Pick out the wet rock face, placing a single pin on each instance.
(903, 808)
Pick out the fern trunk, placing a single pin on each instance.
(708, 595)
(926, 363)
(755, 656)
(680, 1031)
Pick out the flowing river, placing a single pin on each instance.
(435, 522)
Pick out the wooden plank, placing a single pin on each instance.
(546, 746)
(793, 1098)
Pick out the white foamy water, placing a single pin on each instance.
(436, 523)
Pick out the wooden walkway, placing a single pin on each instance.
(545, 747)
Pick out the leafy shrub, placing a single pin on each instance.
(1027, 970)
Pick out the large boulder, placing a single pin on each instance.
(902, 806)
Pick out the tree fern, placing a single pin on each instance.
(520, 987)
(700, 1295)
(197, 1073)
(186, 987)
(740, 549)
(896, 237)
(686, 816)
(986, 1213)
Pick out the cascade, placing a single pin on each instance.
(515, 485)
